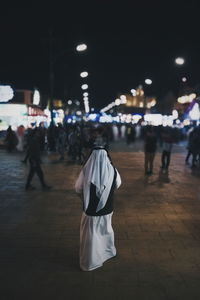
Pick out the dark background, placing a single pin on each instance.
(127, 42)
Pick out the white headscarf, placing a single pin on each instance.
(99, 171)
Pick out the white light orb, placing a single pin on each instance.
(79, 113)
(117, 102)
(175, 114)
(81, 47)
(133, 91)
(69, 102)
(123, 99)
(184, 79)
(179, 61)
(84, 74)
(85, 94)
(84, 86)
(148, 81)
(6, 93)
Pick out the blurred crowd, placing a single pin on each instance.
(76, 140)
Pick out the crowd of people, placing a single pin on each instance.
(75, 141)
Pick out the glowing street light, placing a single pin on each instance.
(84, 74)
(81, 47)
(52, 60)
(179, 61)
(184, 79)
(84, 86)
(85, 94)
(148, 81)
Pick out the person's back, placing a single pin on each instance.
(34, 148)
(167, 142)
(11, 139)
(150, 144)
(72, 138)
(96, 183)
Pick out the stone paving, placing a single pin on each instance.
(156, 223)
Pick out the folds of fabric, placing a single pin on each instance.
(96, 241)
(99, 171)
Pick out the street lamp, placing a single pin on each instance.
(52, 60)
(179, 61)
(81, 47)
(148, 81)
(84, 86)
(84, 74)
(184, 79)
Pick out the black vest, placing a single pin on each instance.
(94, 200)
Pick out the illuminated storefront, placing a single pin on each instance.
(20, 114)
(20, 107)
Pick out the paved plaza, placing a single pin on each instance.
(156, 223)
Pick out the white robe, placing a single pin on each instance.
(96, 234)
(96, 241)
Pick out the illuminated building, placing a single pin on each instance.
(20, 109)
(139, 100)
(187, 107)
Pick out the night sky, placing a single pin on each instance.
(127, 42)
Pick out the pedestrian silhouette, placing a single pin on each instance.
(35, 161)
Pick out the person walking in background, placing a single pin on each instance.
(61, 141)
(35, 162)
(96, 184)
(98, 138)
(73, 143)
(42, 136)
(130, 134)
(166, 148)
(195, 146)
(51, 137)
(11, 140)
(150, 145)
(189, 146)
(27, 138)
(20, 136)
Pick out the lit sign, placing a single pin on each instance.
(13, 110)
(6, 93)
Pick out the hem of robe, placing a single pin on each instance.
(106, 254)
(98, 266)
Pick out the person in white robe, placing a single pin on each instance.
(96, 183)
